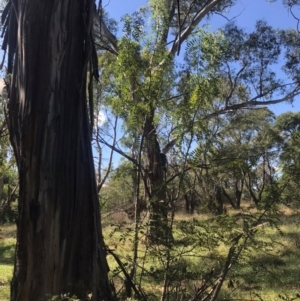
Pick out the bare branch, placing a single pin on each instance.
(182, 36)
(296, 18)
(169, 145)
(179, 25)
(110, 158)
(253, 102)
(229, 20)
(114, 148)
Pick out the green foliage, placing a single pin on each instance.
(227, 151)
(242, 63)
(8, 174)
(133, 26)
(288, 125)
(288, 122)
(263, 258)
(130, 61)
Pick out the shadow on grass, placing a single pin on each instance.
(7, 254)
(270, 271)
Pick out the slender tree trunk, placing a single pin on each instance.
(59, 247)
(187, 202)
(137, 212)
(229, 199)
(219, 199)
(193, 201)
(159, 229)
(238, 192)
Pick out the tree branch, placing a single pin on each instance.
(110, 158)
(182, 36)
(118, 151)
(251, 103)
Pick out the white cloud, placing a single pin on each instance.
(101, 118)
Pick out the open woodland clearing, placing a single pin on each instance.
(266, 270)
(187, 108)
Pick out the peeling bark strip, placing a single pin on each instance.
(59, 242)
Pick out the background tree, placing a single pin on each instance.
(289, 125)
(8, 172)
(145, 68)
(191, 103)
(252, 143)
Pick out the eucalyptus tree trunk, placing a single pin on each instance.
(156, 186)
(59, 247)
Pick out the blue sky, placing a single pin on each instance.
(245, 12)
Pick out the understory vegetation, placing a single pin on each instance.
(266, 269)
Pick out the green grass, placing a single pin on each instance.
(7, 247)
(267, 268)
(273, 268)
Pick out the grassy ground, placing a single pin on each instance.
(7, 246)
(268, 268)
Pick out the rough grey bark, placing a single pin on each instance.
(59, 247)
(160, 231)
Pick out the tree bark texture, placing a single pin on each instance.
(59, 247)
(156, 187)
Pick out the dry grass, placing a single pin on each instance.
(265, 271)
(269, 268)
